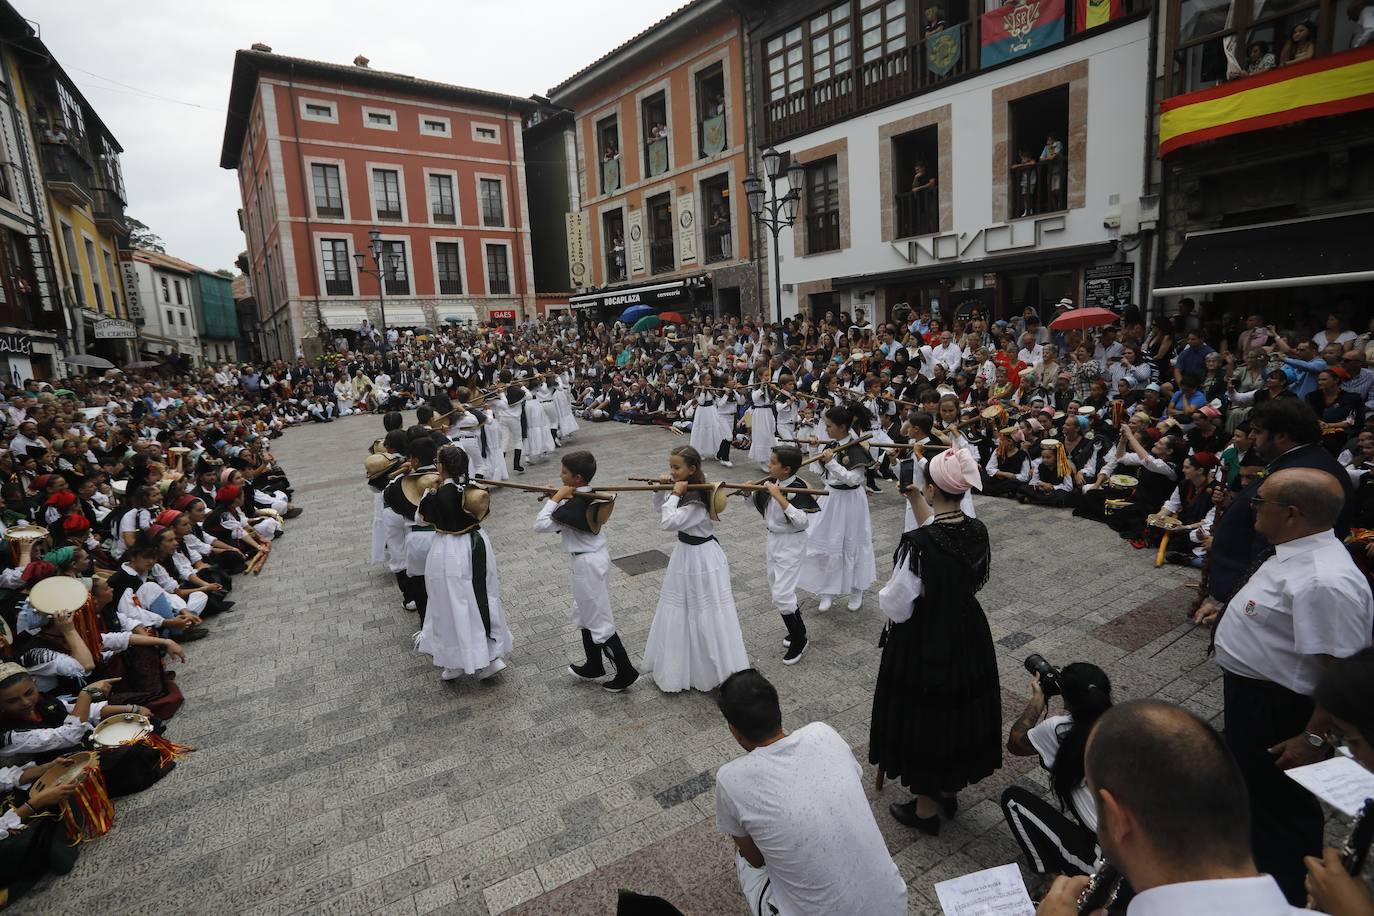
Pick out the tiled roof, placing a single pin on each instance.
(248, 63)
(166, 261)
(624, 46)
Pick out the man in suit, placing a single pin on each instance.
(1287, 434)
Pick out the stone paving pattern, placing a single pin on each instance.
(337, 774)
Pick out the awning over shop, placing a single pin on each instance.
(672, 292)
(342, 317)
(405, 317)
(1309, 252)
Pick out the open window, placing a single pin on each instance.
(822, 206)
(660, 219)
(1039, 153)
(715, 198)
(916, 180)
(711, 133)
(608, 150)
(613, 242)
(653, 120)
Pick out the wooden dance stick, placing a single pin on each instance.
(1163, 546)
(745, 487)
(902, 446)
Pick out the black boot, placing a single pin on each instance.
(592, 668)
(625, 673)
(723, 453)
(518, 468)
(871, 480)
(796, 637)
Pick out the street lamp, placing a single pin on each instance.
(383, 266)
(775, 212)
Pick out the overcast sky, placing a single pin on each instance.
(158, 74)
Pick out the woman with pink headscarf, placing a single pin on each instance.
(937, 707)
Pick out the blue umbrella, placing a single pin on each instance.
(635, 312)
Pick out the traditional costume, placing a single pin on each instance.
(839, 542)
(784, 554)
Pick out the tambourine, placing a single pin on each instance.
(1164, 521)
(58, 594)
(121, 731)
(1122, 482)
(89, 813)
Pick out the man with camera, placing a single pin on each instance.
(1303, 608)
(1055, 844)
(1173, 818)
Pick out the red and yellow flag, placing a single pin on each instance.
(1323, 86)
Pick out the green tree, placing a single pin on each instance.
(140, 236)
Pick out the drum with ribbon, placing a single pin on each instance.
(89, 813)
(127, 729)
(1123, 484)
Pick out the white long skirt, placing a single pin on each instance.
(378, 553)
(707, 430)
(496, 452)
(763, 436)
(418, 544)
(567, 423)
(695, 639)
(538, 436)
(839, 546)
(550, 410)
(453, 634)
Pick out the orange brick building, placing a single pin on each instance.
(662, 149)
(326, 152)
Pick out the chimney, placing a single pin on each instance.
(360, 61)
(260, 46)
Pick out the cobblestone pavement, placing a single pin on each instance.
(337, 774)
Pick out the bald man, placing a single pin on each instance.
(1302, 609)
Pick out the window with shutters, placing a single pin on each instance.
(448, 264)
(328, 190)
(498, 270)
(338, 275)
(493, 208)
(441, 202)
(386, 193)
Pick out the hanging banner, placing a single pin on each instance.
(1089, 14)
(687, 229)
(610, 175)
(575, 227)
(1020, 28)
(944, 49)
(634, 228)
(130, 274)
(713, 135)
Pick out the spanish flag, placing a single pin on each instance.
(1089, 14)
(1320, 87)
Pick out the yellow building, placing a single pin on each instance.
(80, 198)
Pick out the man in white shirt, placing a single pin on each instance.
(947, 353)
(1172, 817)
(1031, 352)
(807, 843)
(1299, 611)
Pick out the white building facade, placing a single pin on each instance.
(169, 314)
(996, 219)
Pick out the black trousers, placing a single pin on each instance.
(1285, 819)
(1053, 842)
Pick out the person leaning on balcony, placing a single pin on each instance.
(920, 178)
(1026, 180)
(1260, 58)
(1054, 152)
(1301, 44)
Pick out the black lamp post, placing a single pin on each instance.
(383, 266)
(776, 212)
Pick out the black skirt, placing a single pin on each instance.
(937, 708)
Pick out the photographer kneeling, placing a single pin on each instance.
(1053, 843)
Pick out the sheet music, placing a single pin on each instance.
(999, 891)
(1340, 782)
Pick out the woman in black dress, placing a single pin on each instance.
(937, 708)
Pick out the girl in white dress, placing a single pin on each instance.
(839, 543)
(764, 428)
(567, 423)
(694, 640)
(465, 629)
(707, 429)
(538, 436)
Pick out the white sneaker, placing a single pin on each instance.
(496, 667)
(826, 601)
(856, 600)
(449, 674)
(727, 464)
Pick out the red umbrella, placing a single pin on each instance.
(1084, 318)
(670, 318)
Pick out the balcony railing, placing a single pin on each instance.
(931, 60)
(398, 286)
(615, 266)
(66, 170)
(823, 231)
(340, 287)
(327, 212)
(718, 243)
(109, 209)
(385, 213)
(444, 216)
(450, 286)
(661, 255)
(918, 213)
(1038, 187)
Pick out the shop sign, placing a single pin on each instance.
(1111, 286)
(503, 313)
(114, 329)
(16, 345)
(576, 230)
(130, 274)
